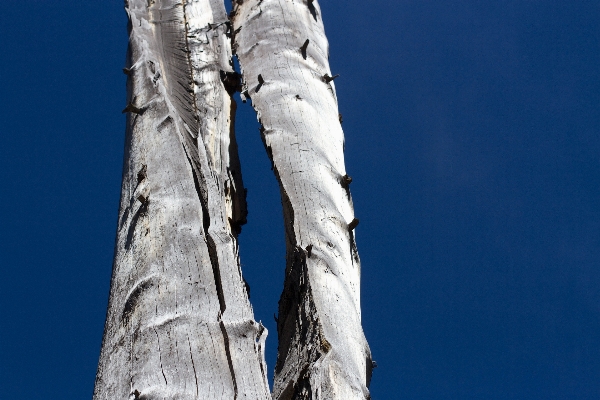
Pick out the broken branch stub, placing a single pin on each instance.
(304, 47)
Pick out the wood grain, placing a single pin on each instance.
(179, 324)
(283, 53)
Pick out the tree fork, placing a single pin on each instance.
(179, 323)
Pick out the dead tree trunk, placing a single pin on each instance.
(283, 53)
(179, 323)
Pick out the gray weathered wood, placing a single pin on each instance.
(283, 53)
(179, 323)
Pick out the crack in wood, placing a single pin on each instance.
(229, 360)
(193, 365)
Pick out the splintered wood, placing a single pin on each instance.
(179, 323)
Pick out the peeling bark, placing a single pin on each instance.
(283, 52)
(179, 324)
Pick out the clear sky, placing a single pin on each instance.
(472, 135)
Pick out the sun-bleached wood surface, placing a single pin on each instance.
(179, 323)
(283, 53)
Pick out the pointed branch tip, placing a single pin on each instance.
(328, 78)
(303, 48)
(142, 173)
(132, 109)
(309, 250)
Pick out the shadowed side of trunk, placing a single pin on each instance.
(283, 53)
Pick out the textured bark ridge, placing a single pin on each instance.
(283, 52)
(179, 323)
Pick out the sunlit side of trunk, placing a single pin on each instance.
(179, 323)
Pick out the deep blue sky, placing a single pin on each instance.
(472, 135)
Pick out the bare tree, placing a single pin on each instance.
(179, 323)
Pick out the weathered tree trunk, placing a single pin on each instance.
(179, 323)
(283, 53)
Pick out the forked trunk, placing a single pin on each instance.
(179, 323)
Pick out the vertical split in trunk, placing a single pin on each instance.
(283, 53)
(179, 323)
